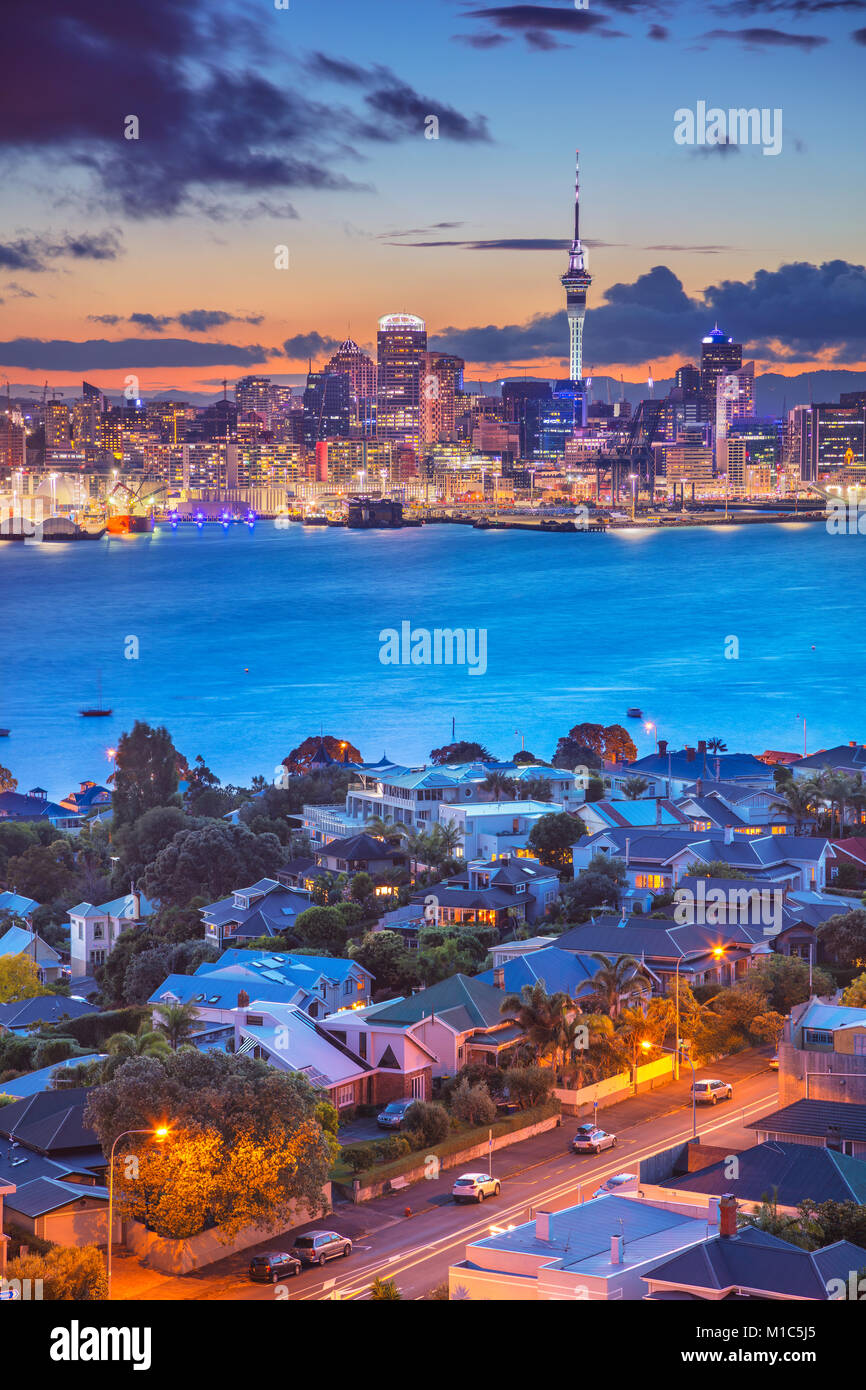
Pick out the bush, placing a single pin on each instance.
(16, 1054)
(358, 1157)
(91, 1030)
(528, 1086)
(395, 1146)
(51, 1050)
(68, 1274)
(429, 1121)
(473, 1104)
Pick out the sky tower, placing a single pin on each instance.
(576, 281)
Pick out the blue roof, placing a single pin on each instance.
(560, 970)
(35, 1081)
(832, 1016)
(17, 904)
(17, 940)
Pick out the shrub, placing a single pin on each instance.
(429, 1121)
(395, 1146)
(528, 1086)
(51, 1050)
(473, 1104)
(91, 1030)
(359, 1157)
(68, 1274)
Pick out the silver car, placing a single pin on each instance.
(710, 1092)
(316, 1247)
(474, 1187)
(592, 1141)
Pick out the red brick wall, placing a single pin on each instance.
(394, 1085)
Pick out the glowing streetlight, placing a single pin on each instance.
(159, 1133)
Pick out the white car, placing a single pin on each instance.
(710, 1092)
(620, 1183)
(591, 1141)
(474, 1187)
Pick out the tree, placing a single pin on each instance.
(145, 973)
(717, 868)
(19, 979)
(341, 750)
(474, 1105)
(619, 980)
(855, 995)
(634, 788)
(597, 885)
(443, 841)
(211, 861)
(176, 1022)
(572, 754)
(138, 843)
(535, 788)
(498, 786)
(794, 799)
(460, 752)
(384, 1291)
(552, 837)
(589, 736)
(797, 1230)
(428, 1120)
(527, 1086)
(323, 929)
(619, 745)
(716, 745)
(145, 773)
(385, 955)
(383, 828)
(245, 1144)
(361, 887)
(784, 980)
(538, 1015)
(844, 937)
(145, 1043)
(43, 872)
(8, 783)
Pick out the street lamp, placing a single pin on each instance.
(633, 477)
(648, 1047)
(159, 1133)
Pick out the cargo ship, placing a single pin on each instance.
(125, 524)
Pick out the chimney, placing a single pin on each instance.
(713, 1211)
(690, 754)
(543, 1225)
(728, 1215)
(663, 747)
(729, 834)
(136, 901)
(243, 999)
(617, 1249)
(702, 746)
(499, 977)
(627, 850)
(699, 787)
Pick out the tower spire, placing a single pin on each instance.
(576, 281)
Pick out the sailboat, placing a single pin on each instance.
(97, 712)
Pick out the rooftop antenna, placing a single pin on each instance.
(650, 383)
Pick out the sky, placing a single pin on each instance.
(307, 127)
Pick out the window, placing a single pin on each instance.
(255, 1020)
(860, 1044)
(520, 888)
(417, 1087)
(345, 1095)
(362, 1046)
(347, 986)
(817, 1037)
(97, 931)
(649, 881)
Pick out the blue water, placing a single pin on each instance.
(249, 641)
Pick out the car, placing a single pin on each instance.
(316, 1247)
(774, 1063)
(273, 1266)
(394, 1115)
(710, 1092)
(474, 1187)
(591, 1140)
(622, 1183)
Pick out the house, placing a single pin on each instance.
(93, 931)
(663, 946)
(51, 1123)
(846, 860)
(834, 1124)
(597, 1250)
(658, 859)
(34, 805)
(6, 1190)
(409, 921)
(752, 1264)
(500, 893)
(803, 915)
(30, 1083)
(458, 1021)
(845, 757)
(360, 853)
(18, 941)
(90, 797)
(510, 950)
(491, 829)
(643, 813)
(289, 1039)
(266, 908)
(62, 1211)
(750, 810)
(822, 1053)
(16, 905)
(670, 773)
(560, 971)
(317, 984)
(783, 1173)
(24, 1014)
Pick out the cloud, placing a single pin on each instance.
(722, 147)
(18, 291)
(154, 322)
(193, 320)
(658, 32)
(859, 36)
(750, 7)
(536, 23)
(768, 38)
(32, 250)
(309, 345)
(63, 355)
(481, 41)
(795, 312)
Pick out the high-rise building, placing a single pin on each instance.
(720, 355)
(58, 432)
(442, 388)
(735, 398)
(327, 407)
(253, 396)
(835, 437)
(687, 379)
(523, 400)
(576, 281)
(401, 350)
(352, 362)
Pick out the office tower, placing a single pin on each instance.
(687, 379)
(720, 355)
(835, 443)
(401, 348)
(735, 398)
(576, 281)
(352, 362)
(58, 433)
(13, 440)
(441, 391)
(253, 397)
(690, 460)
(523, 400)
(327, 407)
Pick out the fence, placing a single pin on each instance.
(615, 1088)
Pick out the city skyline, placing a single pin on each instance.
(156, 255)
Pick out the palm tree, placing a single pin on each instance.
(794, 799)
(801, 1231)
(176, 1022)
(145, 1043)
(576, 1034)
(418, 846)
(634, 788)
(443, 840)
(384, 1291)
(538, 1014)
(382, 828)
(536, 788)
(620, 980)
(716, 745)
(498, 786)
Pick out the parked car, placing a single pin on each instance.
(474, 1187)
(275, 1265)
(590, 1140)
(774, 1063)
(318, 1246)
(710, 1092)
(393, 1116)
(621, 1183)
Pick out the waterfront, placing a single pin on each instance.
(249, 640)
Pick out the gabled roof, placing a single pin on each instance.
(812, 1117)
(643, 813)
(361, 846)
(44, 1008)
(462, 1001)
(51, 1121)
(296, 1042)
(784, 1171)
(847, 756)
(19, 941)
(16, 806)
(43, 1195)
(755, 1260)
(832, 1017)
(559, 970)
(122, 908)
(15, 904)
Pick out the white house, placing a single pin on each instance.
(93, 931)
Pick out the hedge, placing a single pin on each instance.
(93, 1029)
(464, 1139)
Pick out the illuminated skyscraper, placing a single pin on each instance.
(402, 345)
(361, 371)
(720, 355)
(442, 385)
(576, 281)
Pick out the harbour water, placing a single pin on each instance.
(242, 642)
